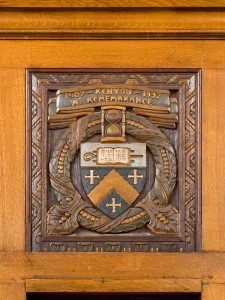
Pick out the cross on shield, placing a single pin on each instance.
(113, 175)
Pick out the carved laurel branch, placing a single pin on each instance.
(73, 211)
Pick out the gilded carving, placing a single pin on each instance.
(156, 201)
(116, 127)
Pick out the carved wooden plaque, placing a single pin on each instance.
(113, 160)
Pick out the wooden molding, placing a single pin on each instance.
(18, 266)
(67, 23)
(110, 4)
(113, 285)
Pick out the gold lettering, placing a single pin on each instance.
(120, 98)
(75, 102)
(116, 91)
(113, 98)
(138, 100)
(89, 100)
(151, 94)
(107, 98)
(157, 95)
(69, 95)
(104, 91)
(97, 91)
(146, 93)
(125, 99)
(101, 99)
(149, 102)
(128, 91)
(132, 99)
(95, 99)
(109, 91)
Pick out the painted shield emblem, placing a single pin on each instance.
(113, 175)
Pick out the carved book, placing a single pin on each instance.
(113, 160)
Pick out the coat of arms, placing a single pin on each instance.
(113, 175)
(113, 170)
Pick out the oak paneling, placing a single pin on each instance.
(108, 286)
(102, 54)
(112, 23)
(12, 291)
(18, 266)
(213, 159)
(21, 54)
(12, 158)
(16, 55)
(213, 292)
(110, 3)
(118, 54)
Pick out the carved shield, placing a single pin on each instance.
(113, 175)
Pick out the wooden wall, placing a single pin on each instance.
(139, 38)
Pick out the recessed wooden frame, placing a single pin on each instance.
(186, 85)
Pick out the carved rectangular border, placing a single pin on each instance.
(185, 80)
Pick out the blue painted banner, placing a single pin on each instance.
(142, 97)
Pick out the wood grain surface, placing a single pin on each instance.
(12, 141)
(213, 291)
(17, 55)
(12, 291)
(110, 3)
(112, 24)
(113, 54)
(213, 159)
(107, 286)
(18, 266)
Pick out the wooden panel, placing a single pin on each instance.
(138, 266)
(103, 269)
(110, 3)
(109, 54)
(116, 54)
(12, 291)
(124, 286)
(212, 55)
(104, 54)
(213, 159)
(12, 176)
(213, 292)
